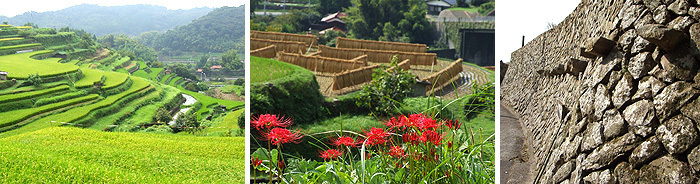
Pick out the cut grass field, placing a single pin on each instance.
(19, 66)
(74, 155)
(268, 69)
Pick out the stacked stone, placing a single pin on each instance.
(636, 112)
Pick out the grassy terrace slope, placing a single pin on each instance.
(79, 112)
(268, 69)
(19, 66)
(74, 155)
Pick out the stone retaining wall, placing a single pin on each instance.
(611, 94)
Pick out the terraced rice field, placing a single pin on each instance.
(19, 66)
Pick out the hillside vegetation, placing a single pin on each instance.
(131, 20)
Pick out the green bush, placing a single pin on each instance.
(387, 90)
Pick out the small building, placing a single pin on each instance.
(436, 6)
(3, 75)
(331, 22)
(215, 67)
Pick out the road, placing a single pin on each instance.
(270, 13)
(515, 166)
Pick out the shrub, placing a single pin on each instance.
(162, 115)
(35, 79)
(239, 82)
(386, 90)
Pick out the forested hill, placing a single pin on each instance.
(130, 20)
(220, 30)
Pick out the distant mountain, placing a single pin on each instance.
(130, 20)
(220, 30)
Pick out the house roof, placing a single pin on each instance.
(439, 3)
(3, 73)
(216, 67)
(332, 16)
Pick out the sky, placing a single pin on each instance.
(17, 7)
(518, 18)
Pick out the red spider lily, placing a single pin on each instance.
(454, 125)
(280, 164)
(279, 136)
(256, 162)
(345, 141)
(410, 138)
(431, 136)
(396, 151)
(401, 123)
(447, 174)
(268, 121)
(376, 136)
(330, 154)
(422, 122)
(449, 144)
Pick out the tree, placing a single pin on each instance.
(5, 22)
(331, 6)
(35, 79)
(202, 61)
(188, 121)
(162, 115)
(230, 61)
(239, 82)
(368, 18)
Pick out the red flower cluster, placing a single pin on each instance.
(396, 151)
(454, 125)
(267, 121)
(345, 141)
(330, 154)
(376, 136)
(256, 162)
(419, 121)
(411, 138)
(278, 136)
(431, 136)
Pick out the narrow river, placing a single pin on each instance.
(189, 100)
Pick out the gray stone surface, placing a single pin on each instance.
(671, 98)
(661, 15)
(692, 110)
(645, 152)
(613, 124)
(648, 87)
(626, 174)
(593, 136)
(600, 177)
(599, 46)
(694, 159)
(666, 170)
(602, 102)
(680, 7)
(641, 64)
(640, 116)
(662, 36)
(610, 151)
(564, 171)
(681, 23)
(677, 134)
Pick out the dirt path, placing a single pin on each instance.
(515, 165)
